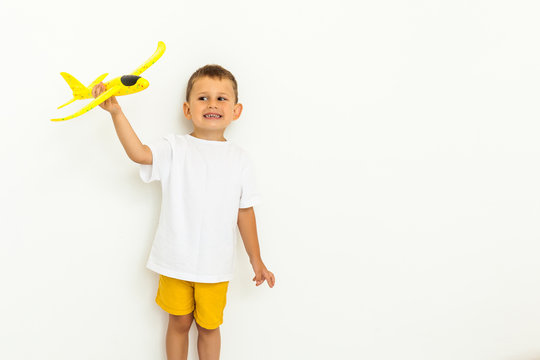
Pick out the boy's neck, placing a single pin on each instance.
(208, 135)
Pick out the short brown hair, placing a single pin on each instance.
(212, 71)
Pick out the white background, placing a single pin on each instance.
(396, 149)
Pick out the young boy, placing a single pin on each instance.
(208, 189)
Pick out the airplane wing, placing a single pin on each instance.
(157, 54)
(97, 81)
(101, 98)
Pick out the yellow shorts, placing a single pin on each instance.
(180, 297)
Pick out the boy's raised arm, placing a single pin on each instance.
(135, 150)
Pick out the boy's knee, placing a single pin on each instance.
(181, 323)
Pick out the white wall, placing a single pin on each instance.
(396, 149)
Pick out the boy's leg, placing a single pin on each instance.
(210, 300)
(177, 338)
(208, 343)
(175, 296)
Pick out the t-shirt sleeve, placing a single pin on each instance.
(161, 160)
(250, 195)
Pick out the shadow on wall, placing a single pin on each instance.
(537, 357)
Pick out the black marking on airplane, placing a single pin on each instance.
(129, 80)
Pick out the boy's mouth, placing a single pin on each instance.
(212, 116)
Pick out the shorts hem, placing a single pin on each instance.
(206, 326)
(172, 311)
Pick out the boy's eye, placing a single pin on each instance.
(221, 98)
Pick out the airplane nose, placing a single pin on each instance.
(143, 83)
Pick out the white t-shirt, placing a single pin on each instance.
(204, 183)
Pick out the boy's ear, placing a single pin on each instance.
(187, 111)
(237, 110)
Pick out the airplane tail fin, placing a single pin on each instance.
(79, 90)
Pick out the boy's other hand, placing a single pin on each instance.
(111, 105)
(262, 273)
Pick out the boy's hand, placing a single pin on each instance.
(111, 105)
(262, 273)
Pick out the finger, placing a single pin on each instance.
(270, 279)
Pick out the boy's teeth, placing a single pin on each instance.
(211, 115)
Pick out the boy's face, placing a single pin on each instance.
(211, 105)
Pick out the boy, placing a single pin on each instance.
(208, 189)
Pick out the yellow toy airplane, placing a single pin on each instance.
(124, 85)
